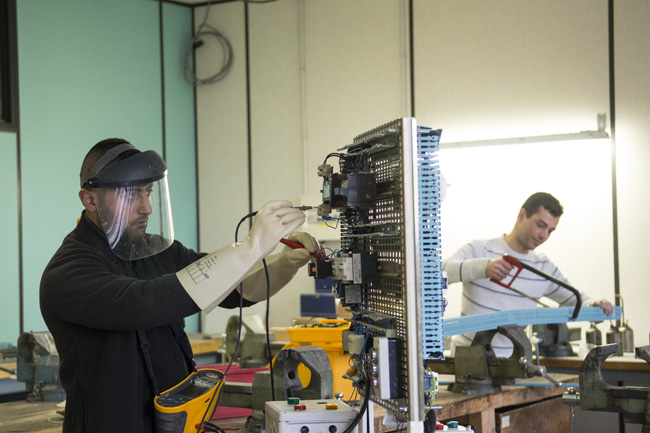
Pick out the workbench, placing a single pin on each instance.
(516, 404)
(514, 409)
(504, 411)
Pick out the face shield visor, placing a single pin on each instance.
(133, 206)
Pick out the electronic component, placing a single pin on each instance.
(388, 382)
(350, 190)
(320, 269)
(308, 416)
(357, 268)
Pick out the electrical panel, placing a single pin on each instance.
(388, 272)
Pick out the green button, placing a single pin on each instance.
(293, 400)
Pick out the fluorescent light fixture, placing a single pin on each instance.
(584, 135)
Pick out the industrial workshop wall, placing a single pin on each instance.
(517, 69)
(88, 71)
(308, 76)
(633, 158)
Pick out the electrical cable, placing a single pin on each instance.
(234, 355)
(268, 337)
(239, 329)
(202, 31)
(364, 406)
(241, 308)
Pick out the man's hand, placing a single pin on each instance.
(498, 269)
(298, 257)
(607, 306)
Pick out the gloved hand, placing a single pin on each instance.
(282, 267)
(211, 278)
(298, 257)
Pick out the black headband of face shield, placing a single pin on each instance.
(139, 169)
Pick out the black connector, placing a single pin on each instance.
(320, 269)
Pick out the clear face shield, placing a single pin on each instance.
(133, 206)
(137, 220)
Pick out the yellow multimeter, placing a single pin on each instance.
(182, 407)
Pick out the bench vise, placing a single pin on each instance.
(478, 370)
(596, 394)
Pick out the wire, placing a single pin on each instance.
(234, 355)
(268, 297)
(239, 329)
(364, 406)
(268, 337)
(205, 30)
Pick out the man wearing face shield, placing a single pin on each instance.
(120, 286)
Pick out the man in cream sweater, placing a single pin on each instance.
(481, 260)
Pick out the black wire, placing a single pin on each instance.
(268, 303)
(338, 155)
(364, 406)
(268, 337)
(234, 355)
(196, 41)
(241, 314)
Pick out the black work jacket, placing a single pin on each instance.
(93, 304)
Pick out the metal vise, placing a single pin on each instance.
(252, 350)
(596, 394)
(38, 366)
(286, 383)
(479, 371)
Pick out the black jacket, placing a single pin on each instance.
(93, 303)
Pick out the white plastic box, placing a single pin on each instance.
(282, 417)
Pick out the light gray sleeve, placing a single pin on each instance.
(466, 264)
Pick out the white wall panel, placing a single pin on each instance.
(633, 158)
(222, 130)
(510, 68)
(354, 78)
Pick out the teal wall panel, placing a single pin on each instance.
(88, 70)
(9, 277)
(180, 136)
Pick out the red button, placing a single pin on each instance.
(300, 407)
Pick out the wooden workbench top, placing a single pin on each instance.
(454, 405)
